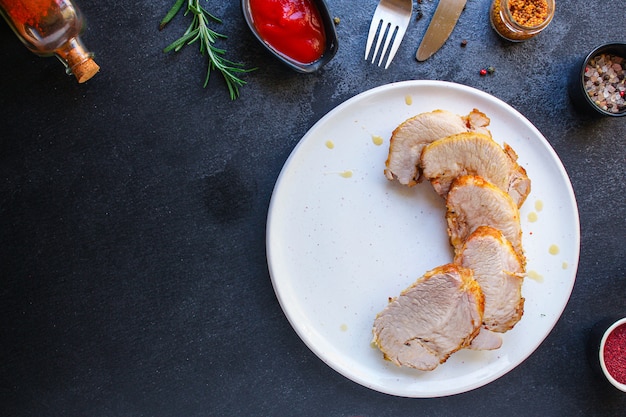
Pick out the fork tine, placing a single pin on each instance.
(388, 27)
(396, 44)
(384, 30)
(370, 36)
(378, 21)
(392, 30)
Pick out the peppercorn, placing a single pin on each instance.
(336, 20)
(463, 43)
(483, 72)
(491, 70)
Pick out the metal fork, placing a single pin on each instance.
(392, 17)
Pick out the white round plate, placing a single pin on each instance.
(342, 239)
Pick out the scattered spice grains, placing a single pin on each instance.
(615, 354)
(529, 13)
(489, 70)
(605, 82)
(419, 14)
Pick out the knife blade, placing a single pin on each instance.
(443, 21)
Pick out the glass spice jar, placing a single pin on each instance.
(51, 28)
(519, 20)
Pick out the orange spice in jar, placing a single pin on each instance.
(52, 28)
(518, 20)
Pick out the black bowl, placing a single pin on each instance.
(331, 39)
(579, 95)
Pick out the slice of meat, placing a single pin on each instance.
(472, 153)
(410, 137)
(473, 202)
(436, 316)
(477, 121)
(519, 183)
(499, 271)
(486, 340)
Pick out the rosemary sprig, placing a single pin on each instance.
(199, 30)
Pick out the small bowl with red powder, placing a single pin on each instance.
(607, 350)
(300, 33)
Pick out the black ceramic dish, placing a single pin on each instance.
(329, 28)
(579, 95)
(595, 348)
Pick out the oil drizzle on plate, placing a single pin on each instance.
(554, 250)
(408, 100)
(532, 216)
(377, 140)
(330, 144)
(534, 275)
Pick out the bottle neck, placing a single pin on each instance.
(77, 60)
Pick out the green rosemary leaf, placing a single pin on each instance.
(211, 16)
(180, 42)
(199, 30)
(170, 15)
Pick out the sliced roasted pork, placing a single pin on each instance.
(473, 202)
(486, 340)
(472, 153)
(500, 273)
(519, 183)
(436, 316)
(410, 137)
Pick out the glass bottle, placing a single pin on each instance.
(518, 20)
(52, 28)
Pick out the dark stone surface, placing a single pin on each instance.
(133, 207)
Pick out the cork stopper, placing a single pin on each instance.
(81, 63)
(85, 70)
(78, 61)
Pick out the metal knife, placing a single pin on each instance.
(445, 18)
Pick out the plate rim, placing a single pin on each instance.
(386, 88)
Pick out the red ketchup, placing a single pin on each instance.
(292, 27)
